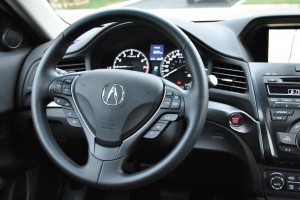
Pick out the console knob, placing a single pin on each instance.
(277, 182)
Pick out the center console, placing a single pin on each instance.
(277, 89)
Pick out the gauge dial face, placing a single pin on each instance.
(174, 69)
(132, 59)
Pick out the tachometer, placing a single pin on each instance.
(174, 69)
(132, 59)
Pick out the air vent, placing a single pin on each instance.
(230, 77)
(71, 65)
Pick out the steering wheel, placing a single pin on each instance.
(117, 108)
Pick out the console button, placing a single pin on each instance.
(297, 68)
(279, 118)
(272, 80)
(291, 177)
(287, 138)
(292, 186)
(298, 177)
(277, 182)
(295, 128)
(282, 112)
(287, 149)
(286, 100)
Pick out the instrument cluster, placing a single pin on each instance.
(167, 64)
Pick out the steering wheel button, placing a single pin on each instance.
(169, 93)
(70, 113)
(67, 91)
(165, 105)
(159, 126)
(167, 100)
(169, 117)
(175, 104)
(57, 88)
(68, 81)
(74, 122)
(58, 101)
(66, 86)
(151, 134)
(176, 97)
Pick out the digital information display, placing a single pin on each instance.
(284, 46)
(156, 52)
(284, 90)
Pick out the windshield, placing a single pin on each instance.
(192, 10)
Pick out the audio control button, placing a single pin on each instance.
(277, 182)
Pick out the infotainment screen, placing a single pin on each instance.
(284, 46)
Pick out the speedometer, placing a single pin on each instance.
(131, 59)
(174, 69)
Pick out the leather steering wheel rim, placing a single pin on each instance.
(107, 173)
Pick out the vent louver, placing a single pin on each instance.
(70, 66)
(230, 77)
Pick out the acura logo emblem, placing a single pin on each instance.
(113, 94)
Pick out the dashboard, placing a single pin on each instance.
(140, 51)
(253, 111)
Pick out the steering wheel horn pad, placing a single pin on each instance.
(116, 103)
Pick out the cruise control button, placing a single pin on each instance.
(175, 104)
(287, 138)
(74, 122)
(159, 126)
(151, 134)
(169, 117)
(70, 113)
(279, 118)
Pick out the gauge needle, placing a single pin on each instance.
(124, 67)
(171, 72)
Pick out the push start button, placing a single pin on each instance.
(235, 119)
